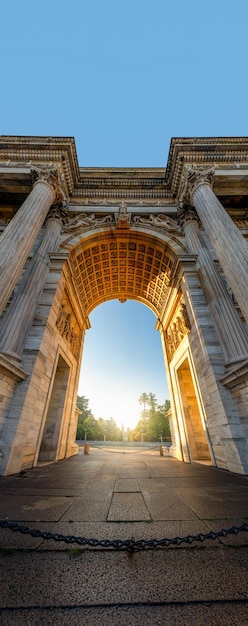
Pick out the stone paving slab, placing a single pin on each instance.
(199, 613)
(158, 485)
(126, 484)
(41, 491)
(204, 481)
(89, 510)
(128, 507)
(34, 508)
(94, 503)
(57, 579)
(215, 501)
(167, 506)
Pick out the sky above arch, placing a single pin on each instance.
(123, 78)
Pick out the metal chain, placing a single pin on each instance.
(92, 445)
(130, 545)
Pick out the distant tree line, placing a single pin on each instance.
(153, 423)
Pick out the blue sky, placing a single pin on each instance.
(123, 78)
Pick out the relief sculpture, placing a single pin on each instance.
(83, 221)
(159, 221)
(66, 325)
(178, 328)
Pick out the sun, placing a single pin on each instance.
(123, 407)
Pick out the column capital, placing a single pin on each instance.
(186, 213)
(58, 212)
(195, 177)
(50, 176)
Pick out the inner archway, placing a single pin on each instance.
(135, 269)
(194, 425)
(122, 358)
(123, 265)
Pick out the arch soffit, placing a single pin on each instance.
(123, 264)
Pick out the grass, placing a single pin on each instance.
(75, 551)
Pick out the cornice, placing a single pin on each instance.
(210, 151)
(23, 151)
(122, 171)
(132, 184)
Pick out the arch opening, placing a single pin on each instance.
(54, 419)
(122, 359)
(195, 428)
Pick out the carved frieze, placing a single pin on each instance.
(83, 222)
(68, 327)
(160, 221)
(139, 202)
(178, 328)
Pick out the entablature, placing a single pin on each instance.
(143, 189)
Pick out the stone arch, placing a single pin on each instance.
(110, 265)
(188, 223)
(147, 267)
(99, 265)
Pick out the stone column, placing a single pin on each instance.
(232, 334)
(228, 243)
(19, 236)
(21, 311)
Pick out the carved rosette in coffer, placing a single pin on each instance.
(68, 326)
(178, 328)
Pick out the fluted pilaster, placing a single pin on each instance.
(228, 243)
(232, 335)
(19, 236)
(21, 311)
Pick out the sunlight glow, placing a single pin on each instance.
(104, 403)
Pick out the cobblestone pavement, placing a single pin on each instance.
(118, 495)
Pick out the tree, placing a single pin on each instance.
(152, 401)
(86, 420)
(159, 422)
(144, 400)
(154, 419)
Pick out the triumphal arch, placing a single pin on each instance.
(173, 238)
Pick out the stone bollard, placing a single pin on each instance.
(161, 451)
(86, 448)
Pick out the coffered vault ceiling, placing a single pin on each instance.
(122, 267)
